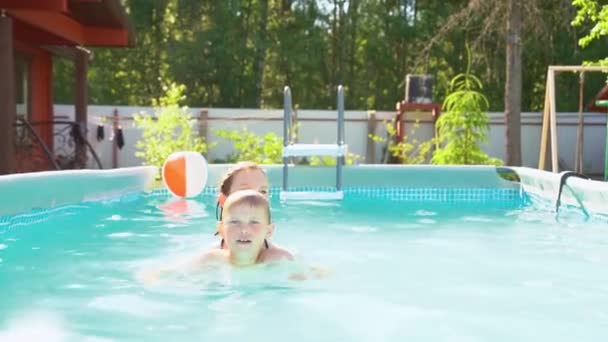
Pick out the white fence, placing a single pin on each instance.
(320, 126)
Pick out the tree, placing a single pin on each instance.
(464, 123)
(241, 53)
(513, 84)
(591, 11)
(526, 21)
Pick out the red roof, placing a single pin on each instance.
(70, 22)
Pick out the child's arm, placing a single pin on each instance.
(154, 275)
(314, 272)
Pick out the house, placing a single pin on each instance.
(32, 34)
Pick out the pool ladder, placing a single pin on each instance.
(562, 181)
(291, 149)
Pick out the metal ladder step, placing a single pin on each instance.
(303, 150)
(338, 150)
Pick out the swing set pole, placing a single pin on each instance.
(604, 103)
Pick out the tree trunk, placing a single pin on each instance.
(260, 53)
(513, 83)
(353, 15)
(335, 47)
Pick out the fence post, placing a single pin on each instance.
(370, 152)
(203, 128)
(114, 140)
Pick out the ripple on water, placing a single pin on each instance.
(120, 235)
(363, 229)
(477, 219)
(425, 213)
(132, 305)
(427, 221)
(115, 218)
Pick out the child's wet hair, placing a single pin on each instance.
(248, 197)
(226, 181)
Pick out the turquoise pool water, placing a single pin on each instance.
(398, 270)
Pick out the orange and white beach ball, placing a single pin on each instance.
(185, 173)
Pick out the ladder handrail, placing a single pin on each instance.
(287, 116)
(286, 130)
(562, 181)
(340, 159)
(288, 134)
(340, 115)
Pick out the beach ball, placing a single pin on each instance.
(185, 173)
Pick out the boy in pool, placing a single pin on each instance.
(245, 228)
(243, 176)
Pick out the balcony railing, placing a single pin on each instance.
(52, 145)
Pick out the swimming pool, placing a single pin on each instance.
(438, 263)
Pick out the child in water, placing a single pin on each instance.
(244, 223)
(245, 176)
(245, 228)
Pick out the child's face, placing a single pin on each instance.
(250, 180)
(244, 228)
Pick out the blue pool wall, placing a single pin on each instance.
(44, 190)
(25, 192)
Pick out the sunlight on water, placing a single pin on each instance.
(34, 326)
(366, 271)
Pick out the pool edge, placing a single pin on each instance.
(21, 192)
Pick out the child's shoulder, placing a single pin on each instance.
(276, 253)
(213, 255)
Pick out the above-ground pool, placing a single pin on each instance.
(387, 263)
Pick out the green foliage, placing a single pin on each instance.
(240, 54)
(170, 131)
(464, 124)
(351, 159)
(408, 151)
(267, 149)
(591, 11)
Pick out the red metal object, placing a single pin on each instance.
(403, 107)
(601, 95)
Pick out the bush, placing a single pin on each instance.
(170, 131)
(351, 159)
(267, 149)
(408, 151)
(464, 124)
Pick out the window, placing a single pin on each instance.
(22, 86)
